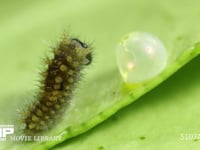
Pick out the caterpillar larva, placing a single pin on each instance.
(62, 73)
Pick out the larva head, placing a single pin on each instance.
(76, 52)
(84, 49)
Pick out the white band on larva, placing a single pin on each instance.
(140, 57)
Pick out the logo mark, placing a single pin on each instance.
(6, 130)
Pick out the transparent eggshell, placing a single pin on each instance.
(140, 57)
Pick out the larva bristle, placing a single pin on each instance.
(58, 82)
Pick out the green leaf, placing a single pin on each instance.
(102, 93)
(165, 118)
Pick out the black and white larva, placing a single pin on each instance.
(60, 78)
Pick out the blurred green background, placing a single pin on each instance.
(155, 121)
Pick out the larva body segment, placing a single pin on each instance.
(62, 74)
